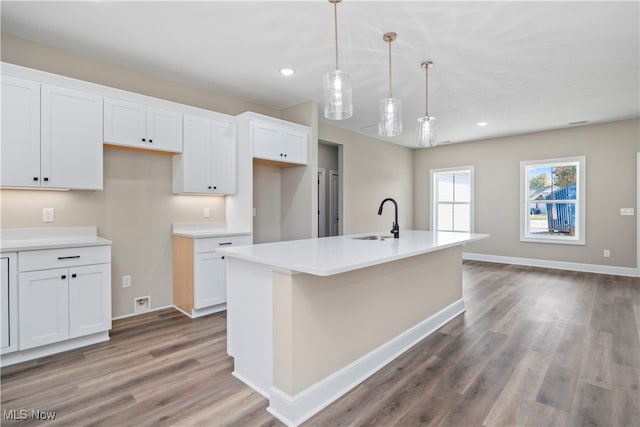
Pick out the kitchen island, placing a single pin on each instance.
(307, 320)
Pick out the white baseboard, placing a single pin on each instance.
(49, 349)
(143, 312)
(293, 410)
(561, 265)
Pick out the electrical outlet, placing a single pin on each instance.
(48, 215)
(206, 213)
(126, 281)
(626, 211)
(606, 253)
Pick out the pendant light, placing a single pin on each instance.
(390, 123)
(338, 104)
(426, 131)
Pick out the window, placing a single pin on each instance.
(452, 199)
(552, 201)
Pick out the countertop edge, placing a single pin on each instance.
(207, 235)
(26, 245)
(344, 269)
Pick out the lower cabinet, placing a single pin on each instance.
(71, 301)
(199, 273)
(9, 303)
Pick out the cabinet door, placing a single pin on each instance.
(195, 164)
(164, 130)
(224, 158)
(71, 155)
(5, 318)
(267, 142)
(296, 144)
(43, 307)
(209, 281)
(89, 299)
(125, 123)
(20, 148)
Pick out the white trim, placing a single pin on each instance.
(58, 347)
(434, 194)
(199, 312)
(561, 265)
(638, 213)
(251, 384)
(580, 226)
(124, 316)
(293, 410)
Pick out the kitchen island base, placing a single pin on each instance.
(303, 340)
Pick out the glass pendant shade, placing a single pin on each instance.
(390, 123)
(426, 132)
(338, 103)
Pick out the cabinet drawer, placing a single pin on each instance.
(66, 257)
(213, 243)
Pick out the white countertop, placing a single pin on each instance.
(204, 230)
(333, 255)
(27, 239)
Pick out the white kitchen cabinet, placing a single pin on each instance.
(43, 307)
(89, 299)
(209, 281)
(51, 136)
(199, 273)
(279, 141)
(20, 148)
(208, 161)
(9, 303)
(70, 301)
(136, 125)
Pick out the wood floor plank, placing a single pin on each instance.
(514, 404)
(535, 347)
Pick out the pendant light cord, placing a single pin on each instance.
(426, 91)
(335, 21)
(390, 93)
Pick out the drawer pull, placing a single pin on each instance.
(225, 243)
(69, 257)
(74, 275)
(63, 277)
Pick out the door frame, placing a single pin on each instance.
(322, 203)
(334, 202)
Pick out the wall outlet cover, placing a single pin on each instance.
(48, 215)
(626, 211)
(141, 304)
(126, 281)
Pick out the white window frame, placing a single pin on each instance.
(434, 195)
(579, 237)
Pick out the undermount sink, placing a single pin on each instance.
(376, 237)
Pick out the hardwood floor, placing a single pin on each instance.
(536, 347)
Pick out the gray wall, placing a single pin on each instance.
(610, 150)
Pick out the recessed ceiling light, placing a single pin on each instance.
(287, 72)
(482, 124)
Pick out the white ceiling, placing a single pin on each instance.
(520, 66)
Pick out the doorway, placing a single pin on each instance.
(329, 190)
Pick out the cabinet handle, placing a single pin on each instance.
(285, 155)
(73, 276)
(35, 178)
(63, 277)
(69, 257)
(46, 179)
(150, 141)
(225, 243)
(222, 257)
(280, 154)
(214, 187)
(144, 139)
(209, 187)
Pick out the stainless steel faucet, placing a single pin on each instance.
(395, 229)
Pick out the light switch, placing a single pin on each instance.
(206, 213)
(48, 215)
(626, 211)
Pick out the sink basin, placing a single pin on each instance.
(375, 237)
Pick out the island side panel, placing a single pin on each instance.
(323, 324)
(183, 275)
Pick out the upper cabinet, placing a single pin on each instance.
(208, 163)
(136, 125)
(51, 136)
(279, 141)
